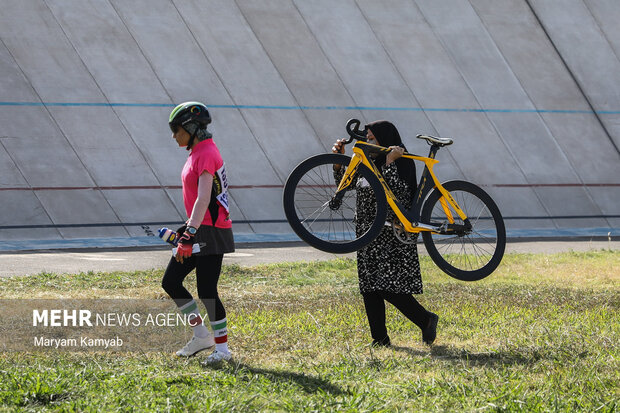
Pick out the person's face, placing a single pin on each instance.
(370, 138)
(181, 136)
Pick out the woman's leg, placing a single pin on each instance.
(172, 283)
(208, 268)
(409, 306)
(375, 311)
(413, 310)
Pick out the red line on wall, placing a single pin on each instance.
(115, 188)
(112, 188)
(550, 185)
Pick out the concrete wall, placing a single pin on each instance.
(529, 90)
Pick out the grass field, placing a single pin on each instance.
(540, 334)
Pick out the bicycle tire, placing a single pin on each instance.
(472, 256)
(307, 194)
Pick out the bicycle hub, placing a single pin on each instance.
(334, 203)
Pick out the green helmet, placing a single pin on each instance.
(189, 112)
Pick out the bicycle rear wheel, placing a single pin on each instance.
(466, 255)
(321, 220)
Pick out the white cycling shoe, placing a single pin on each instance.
(195, 345)
(217, 357)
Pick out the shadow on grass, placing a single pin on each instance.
(410, 351)
(523, 355)
(489, 358)
(461, 355)
(40, 398)
(307, 383)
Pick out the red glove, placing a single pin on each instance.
(184, 250)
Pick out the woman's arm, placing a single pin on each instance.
(201, 205)
(205, 184)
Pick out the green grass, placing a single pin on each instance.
(540, 334)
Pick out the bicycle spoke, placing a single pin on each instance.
(324, 206)
(318, 188)
(479, 253)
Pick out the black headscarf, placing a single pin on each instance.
(387, 135)
(196, 133)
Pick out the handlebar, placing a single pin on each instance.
(354, 131)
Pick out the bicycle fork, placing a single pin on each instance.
(345, 182)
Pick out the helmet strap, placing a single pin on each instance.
(192, 138)
(197, 134)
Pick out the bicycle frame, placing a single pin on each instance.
(410, 219)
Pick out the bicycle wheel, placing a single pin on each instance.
(472, 254)
(320, 219)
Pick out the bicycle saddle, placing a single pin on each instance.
(435, 140)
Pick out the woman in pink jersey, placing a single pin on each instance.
(209, 226)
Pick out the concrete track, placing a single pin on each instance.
(76, 261)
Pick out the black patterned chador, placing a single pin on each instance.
(386, 264)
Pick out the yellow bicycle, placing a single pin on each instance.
(462, 227)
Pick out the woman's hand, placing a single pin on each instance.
(338, 148)
(395, 153)
(184, 247)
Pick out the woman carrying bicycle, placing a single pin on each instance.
(206, 203)
(388, 269)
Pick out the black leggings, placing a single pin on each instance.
(405, 303)
(208, 269)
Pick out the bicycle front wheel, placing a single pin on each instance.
(323, 220)
(472, 254)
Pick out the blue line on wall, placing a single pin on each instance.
(285, 107)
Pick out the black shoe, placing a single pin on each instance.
(430, 332)
(384, 342)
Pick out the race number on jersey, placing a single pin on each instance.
(221, 185)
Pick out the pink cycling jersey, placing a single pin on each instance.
(205, 156)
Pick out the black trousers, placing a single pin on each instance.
(208, 268)
(374, 302)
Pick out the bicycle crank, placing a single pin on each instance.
(402, 235)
